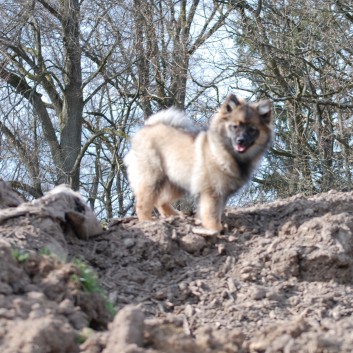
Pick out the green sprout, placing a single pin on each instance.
(46, 251)
(83, 335)
(87, 277)
(20, 255)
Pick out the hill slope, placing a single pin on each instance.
(279, 279)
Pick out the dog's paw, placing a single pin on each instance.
(205, 232)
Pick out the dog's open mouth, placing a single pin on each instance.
(240, 148)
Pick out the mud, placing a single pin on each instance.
(278, 280)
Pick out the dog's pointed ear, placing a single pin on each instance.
(264, 108)
(231, 102)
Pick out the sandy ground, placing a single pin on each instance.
(278, 280)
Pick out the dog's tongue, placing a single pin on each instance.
(240, 148)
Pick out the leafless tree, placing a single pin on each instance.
(25, 67)
(158, 43)
(298, 54)
(78, 77)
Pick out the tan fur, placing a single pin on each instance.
(169, 157)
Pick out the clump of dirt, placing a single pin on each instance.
(132, 332)
(44, 305)
(278, 280)
(47, 222)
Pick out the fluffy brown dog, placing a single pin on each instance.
(169, 157)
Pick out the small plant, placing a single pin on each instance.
(83, 335)
(109, 306)
(45, 251)
(20, 255)
(87, 277)
(90, 283)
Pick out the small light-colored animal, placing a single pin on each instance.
(170, 156)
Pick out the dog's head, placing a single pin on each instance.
(245, 127)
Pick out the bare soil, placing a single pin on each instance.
(278, 280)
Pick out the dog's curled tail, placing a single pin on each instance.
(172, 117)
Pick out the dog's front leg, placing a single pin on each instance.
(145, 201)
(210, 210)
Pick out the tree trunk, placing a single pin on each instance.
(71, 118)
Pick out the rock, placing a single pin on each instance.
(193, 243)
(8, 197)
(126, 329)
(46, 223)
(258, 293)
(129, 243)
(40, 335)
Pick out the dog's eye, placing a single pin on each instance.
(252, 129)
(234, 126)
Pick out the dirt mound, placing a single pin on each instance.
(278, 280)
(43, 304)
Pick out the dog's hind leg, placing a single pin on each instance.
(168, 194)
(167, 210)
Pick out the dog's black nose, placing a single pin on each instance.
(241, 141)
